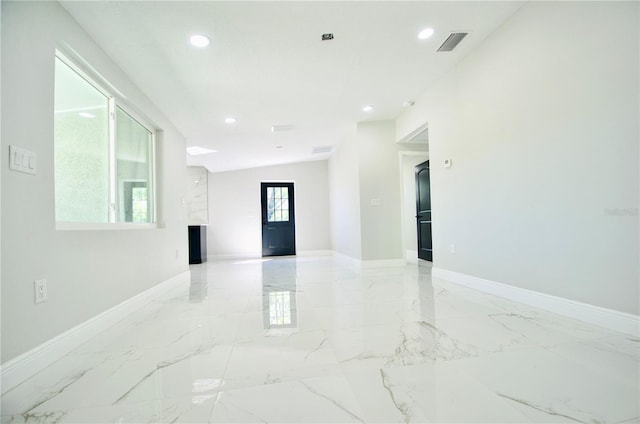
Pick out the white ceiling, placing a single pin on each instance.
(267, 65)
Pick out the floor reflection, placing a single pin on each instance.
(199, 283)
(279, 282)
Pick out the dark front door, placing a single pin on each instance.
(278, 219)
(423, 211)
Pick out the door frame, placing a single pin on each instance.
(263, 214)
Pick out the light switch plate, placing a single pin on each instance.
(22, 160)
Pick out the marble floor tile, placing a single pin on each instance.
(541, 380)
(318, 400)
(316, 339)
(442, 392)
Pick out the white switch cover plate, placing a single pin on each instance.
(40, 287)
(22, 160)
(447, 163)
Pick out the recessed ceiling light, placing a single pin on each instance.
(425, 33)
(367, 108)
(230, 120)
(197, 150)
(279, 147)
(87, 115)
(199, 40)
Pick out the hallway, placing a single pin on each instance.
(317, 339)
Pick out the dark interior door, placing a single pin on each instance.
(278, 219)
(423, 211)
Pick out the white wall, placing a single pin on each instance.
(235, 225)
(366, 193)
(88, 272)
(381, 224)
(541, 123)
(344, 189)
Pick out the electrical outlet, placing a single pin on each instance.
(40, 291)
(453, 248)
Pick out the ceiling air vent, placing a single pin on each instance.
(452, 41)
(321, 149)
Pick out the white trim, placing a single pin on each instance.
(407, 138)
(370, 263)
(22, 367)
(306, 253)
(608, 318)
(315, 253)
(382, 263)
(346, 258)
(232, 257)
(258, 255)
(411, 256)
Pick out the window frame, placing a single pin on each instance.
(115, 101)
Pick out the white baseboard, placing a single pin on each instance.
(346, 258)
(359, 263)
(411, 256)
(236, 257)
(315, 253)
(608, 318)
(383, 263)
(258, 255)
(20, 368)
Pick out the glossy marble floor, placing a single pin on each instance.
(315, 339)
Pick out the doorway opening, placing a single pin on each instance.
(415, 152)
(278, 219)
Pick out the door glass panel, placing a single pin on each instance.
(277, 204)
